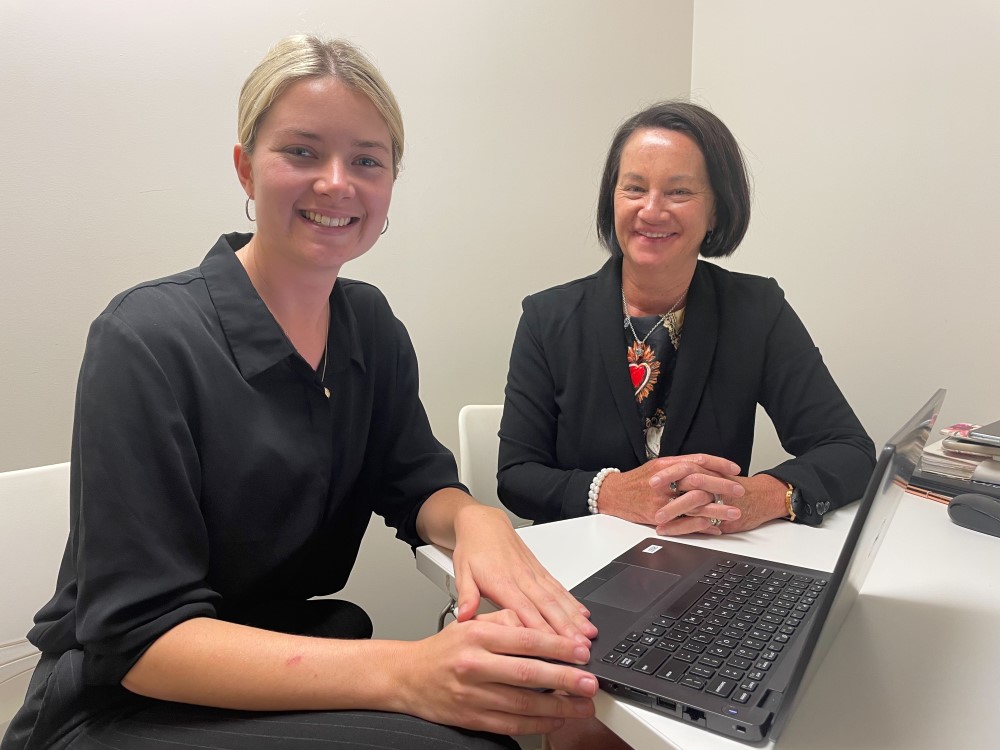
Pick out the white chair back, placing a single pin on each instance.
(478, 446)
(34, 523)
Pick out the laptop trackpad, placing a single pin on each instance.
(634, 588)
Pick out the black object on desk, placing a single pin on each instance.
(928, 480)
(976, 512)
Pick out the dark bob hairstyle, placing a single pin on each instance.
(727, 173)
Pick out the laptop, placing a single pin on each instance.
(726, 641)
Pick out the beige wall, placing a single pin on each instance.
(870, 128)
(872, 132)
(117, 132)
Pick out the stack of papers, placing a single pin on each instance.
(956, 465)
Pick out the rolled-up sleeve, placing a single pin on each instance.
(140, 545)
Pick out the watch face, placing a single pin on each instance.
(798, 507)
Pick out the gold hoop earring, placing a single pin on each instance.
(386, 227)
(246, 210)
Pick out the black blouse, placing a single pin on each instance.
(210, 470)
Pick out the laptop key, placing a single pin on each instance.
(650, 662)
(672, 671)
(699, 671)
(721, 686)
(756, 675)
(742, 696)
(732, 674)
(710, 661)
(693, 682)
(740, 663)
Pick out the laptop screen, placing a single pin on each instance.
(896, 464)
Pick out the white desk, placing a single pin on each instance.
(914, 666)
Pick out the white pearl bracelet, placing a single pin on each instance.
(595, 488)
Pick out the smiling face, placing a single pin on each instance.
(663, 201)
(320, 175)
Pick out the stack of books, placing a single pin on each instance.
(966, 459)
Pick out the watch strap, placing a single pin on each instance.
(791, 496)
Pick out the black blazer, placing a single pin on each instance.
(570, 407)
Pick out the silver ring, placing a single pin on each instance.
(674, 488)
(717, 499)
(715, 521)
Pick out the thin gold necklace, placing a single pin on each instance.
(667, 319)
(322, 373)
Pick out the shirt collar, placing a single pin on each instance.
(254, 336)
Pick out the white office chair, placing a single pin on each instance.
(34, 522)
(478, 446)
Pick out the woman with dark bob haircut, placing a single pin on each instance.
(633, 391)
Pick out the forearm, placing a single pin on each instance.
(443, 512)
(215, 663)
(542, 493)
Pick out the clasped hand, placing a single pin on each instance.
(677, 494)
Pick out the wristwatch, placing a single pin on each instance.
(793, 501)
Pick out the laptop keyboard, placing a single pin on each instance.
(726, 634)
